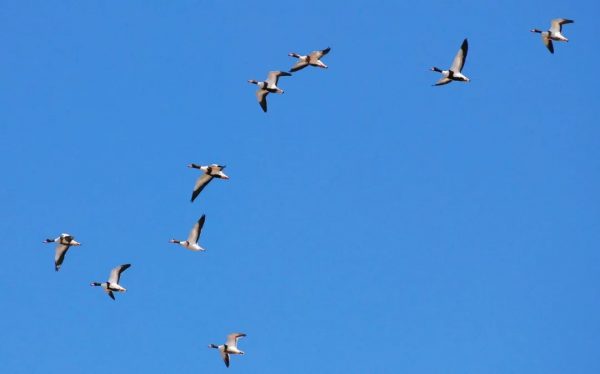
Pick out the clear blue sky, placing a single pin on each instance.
(372, 223)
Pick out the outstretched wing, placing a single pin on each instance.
(547, 42)
(443, 81)
(196, 230)
(273, 77)
(556, 24)
(233, 338)
(261, 96)
(318, 54)
(115, 273)
(110, 294)
(201, 182)
(461, 57)
(59, 255)
(301, 64)
(225, 356)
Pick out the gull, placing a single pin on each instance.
(192, 241)
(63, 243)
(230, 347)
(268, 86)
(555, 33)
(113, 281)
(313, 59)
(454, 73)
(210, 172)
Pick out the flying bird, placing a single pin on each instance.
(192, 241)
(555, 33)
(268, 86)
(63, 243)
(230, 347)
(113, 281)
(313, 59)
(210, 172)
(454, 73)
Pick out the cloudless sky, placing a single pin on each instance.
(372, 223)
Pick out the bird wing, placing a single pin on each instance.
(201, 182)
(548, 42)
(442, 81)
(461, 57)
(273, 77)
(196, 230)
(318, 54)
(111, 294)
(299, 65)
(556, 24)
(59, 255)
(115, 273)
(225, 356)
(233, 338)
(261, 96)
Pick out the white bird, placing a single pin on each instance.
(63, 243)
(192, 241)
(454, 73)
(313, 59)
(210, 172)
(268, 86)
(113, 281)
(230, 347)
(555, 33)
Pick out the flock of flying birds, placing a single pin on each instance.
(269, 85)
(209, 172)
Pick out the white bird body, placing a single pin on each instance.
(455, 71)
(192, 241)
(230, 347)
(63, 243)
(268, 86)
(554, 33)
(112, 285)
(210, 172)
(191, 246)
(312, 59)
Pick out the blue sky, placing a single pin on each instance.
(372, 223)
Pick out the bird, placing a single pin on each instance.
(113, 281)
(230, 347)
(554, 33)
(210, 172)
(192, 241)
(313, 59)
(268, 86)
(454, 73)
(63, 243)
